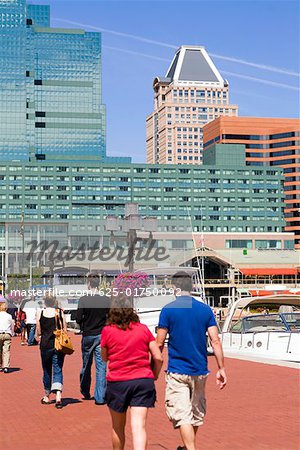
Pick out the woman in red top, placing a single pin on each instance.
(127, 346)
(20, 324)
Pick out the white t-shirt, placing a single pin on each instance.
(6, 323)
(30, 310)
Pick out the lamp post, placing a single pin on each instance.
(131, 223)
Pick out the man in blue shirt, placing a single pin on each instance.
(187, 321)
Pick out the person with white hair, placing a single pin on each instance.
(6, 333)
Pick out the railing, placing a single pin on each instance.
(254, 281)
(254, 334)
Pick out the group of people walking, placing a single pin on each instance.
(128, 359)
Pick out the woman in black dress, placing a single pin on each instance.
(48, 319)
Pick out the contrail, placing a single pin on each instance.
(257, 66)
(164, 44)
(261, 80)
(133, 52)
(118, 33)
(232, 74)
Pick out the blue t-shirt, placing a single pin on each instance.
(187, 321)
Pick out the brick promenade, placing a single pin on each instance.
(258, 410)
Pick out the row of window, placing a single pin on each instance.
(200, 93)
(257, 137)
(258, 244)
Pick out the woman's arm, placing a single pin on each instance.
(12, 327)
(104, 354)
(157, 359)
(161, 337)
(38, 324)
(63, 317)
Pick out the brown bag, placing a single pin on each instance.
(63, 341)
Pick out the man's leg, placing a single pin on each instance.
(188, 437)
(1, 346)
(118, 429)
(198, 400)
(87, 360)
(31, 338)
(6, 351)
(197, 386)
(100, 384)
(179, 407)
(28, 328)
(138, 427)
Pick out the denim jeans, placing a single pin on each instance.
(90, 347)
(52, 362)
(31, 333)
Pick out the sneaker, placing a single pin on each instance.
(1, 370)
(5, 370)
(100, 403)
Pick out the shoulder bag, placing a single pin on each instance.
(62, 341)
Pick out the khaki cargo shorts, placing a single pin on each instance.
(185, 399)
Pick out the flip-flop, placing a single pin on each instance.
(43, 402)
(58, 405)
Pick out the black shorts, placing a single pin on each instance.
(122, 394)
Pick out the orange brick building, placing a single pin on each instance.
(268, 142)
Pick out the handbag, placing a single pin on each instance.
(62, 342)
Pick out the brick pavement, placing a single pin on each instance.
(259, 410)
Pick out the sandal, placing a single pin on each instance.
(45, 402)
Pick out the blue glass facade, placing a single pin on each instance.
(13, 130)
(39, 14)
(51, 95)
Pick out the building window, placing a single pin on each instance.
(265, 244)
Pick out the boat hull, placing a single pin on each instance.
(282, 346)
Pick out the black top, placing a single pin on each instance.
(48, 325)
(92, 313)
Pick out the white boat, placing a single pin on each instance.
(274, 336)
(161, 293)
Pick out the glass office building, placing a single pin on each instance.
(50, 99)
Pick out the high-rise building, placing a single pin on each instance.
(50, 97)
(191, 94)
(268, 142)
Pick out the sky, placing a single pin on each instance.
(254, 44)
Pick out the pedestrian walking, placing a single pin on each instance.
(187, 321)
(6, 333)
(20, 324)
(127, 346)
(30, 309)
(91, 316)
(48, 320)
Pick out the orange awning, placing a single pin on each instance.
(264, 293)
(269, 271)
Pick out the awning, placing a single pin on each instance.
(269, 271)
(263, 293)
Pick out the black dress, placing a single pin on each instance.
(48, 325)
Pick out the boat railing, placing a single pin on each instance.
(254, 335)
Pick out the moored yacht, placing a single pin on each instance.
(272, 331)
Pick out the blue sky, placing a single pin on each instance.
(140, 40)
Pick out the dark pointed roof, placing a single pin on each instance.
(192, 63)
